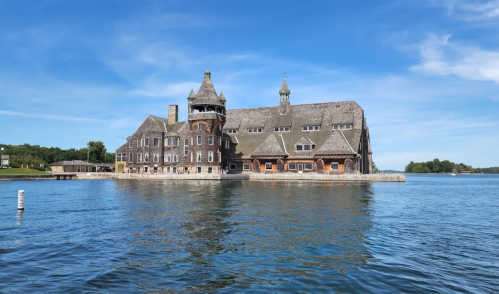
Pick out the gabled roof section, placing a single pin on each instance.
(304, 141)
(159, 124)
(335, 144)
(271, 146)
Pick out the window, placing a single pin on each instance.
(199, 157)
(255, 130)
(311, 128)
(335, 166)
(168, 157)
(130, 159)
(246, 166)
(220, 141)
(120, 157)
(173, 141)
(190, 127)
(342, 127)
(139, 157)
(174, 170)
(146, 142)
(210, 170)
(232, 166)
(130, 144)
(268, 165)
(199, 169)
(186, 150)
(227, 144)
(309, 166)
(174, 158)
(146, 157)
(155, 142)
(168, 169)
(305, 147)
(292, 166)
(199, 140)
(155, 157)
(139, 143)
(210, 140)
(282, 129)
(231, 131)
(210, 156)
(199, 126)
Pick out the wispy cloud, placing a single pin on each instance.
(50, 116)
(472, 10)
(440, 56)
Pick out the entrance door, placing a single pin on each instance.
(300, 167)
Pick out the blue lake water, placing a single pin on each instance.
(432, 234)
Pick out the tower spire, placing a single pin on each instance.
(284, 95)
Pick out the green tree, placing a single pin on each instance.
(437, 166)
(97, 151)
(410, 167)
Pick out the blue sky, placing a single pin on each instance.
(425, 72)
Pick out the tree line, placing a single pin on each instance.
(35, 155)
(446, 166)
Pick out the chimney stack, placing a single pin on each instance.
(172, 114)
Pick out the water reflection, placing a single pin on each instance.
(206, 235)
(19, 217)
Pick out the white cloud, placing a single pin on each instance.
(50, 116)
(472, 10)
(440, 56)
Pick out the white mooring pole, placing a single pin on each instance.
(20, 200)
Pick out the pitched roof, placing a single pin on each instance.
(323, 115)
(335, 144)
(272, 145)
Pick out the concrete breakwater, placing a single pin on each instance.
(254, 177)
(27, 177)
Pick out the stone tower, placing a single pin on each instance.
(206, 119)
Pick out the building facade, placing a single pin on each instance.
(330, 138)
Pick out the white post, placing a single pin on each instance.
(20, 200)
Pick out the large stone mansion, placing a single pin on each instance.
(330, 138)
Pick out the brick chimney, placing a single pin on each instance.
(172, 114)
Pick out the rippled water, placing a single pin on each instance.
(432, 234)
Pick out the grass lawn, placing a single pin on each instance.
(21, 171)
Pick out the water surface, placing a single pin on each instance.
(432, 234)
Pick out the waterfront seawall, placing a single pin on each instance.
(253, 177)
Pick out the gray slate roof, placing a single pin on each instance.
(325, 142)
